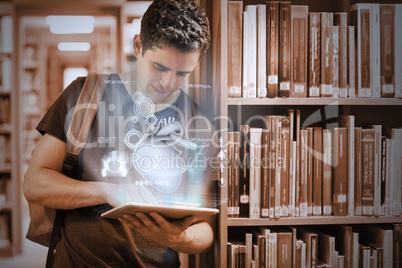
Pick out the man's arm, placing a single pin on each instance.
(44, 183)
(182, 236)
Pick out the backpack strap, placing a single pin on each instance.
(77, 136)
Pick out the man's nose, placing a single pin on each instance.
(168, 81)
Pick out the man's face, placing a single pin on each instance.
(161, 72)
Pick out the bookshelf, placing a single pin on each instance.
(10, 223)
(236, 111)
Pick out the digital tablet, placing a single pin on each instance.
(168, 211)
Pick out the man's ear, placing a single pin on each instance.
(137, 46)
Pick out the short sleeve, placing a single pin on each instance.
(56, 118)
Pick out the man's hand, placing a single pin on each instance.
(120, 194)
(154, 226)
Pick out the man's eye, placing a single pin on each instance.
(159, 68)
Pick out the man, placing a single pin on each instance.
(117, 166)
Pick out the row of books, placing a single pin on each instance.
(282, 50)
(279, 170)
(335, 246)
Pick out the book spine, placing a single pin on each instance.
(387, 32)
(284, 166)
(363, 27)
(272, 48)
(317, 173)
(398, 52)
(383, 178)
(327, 173)
(340, 172)
(297, 160)
(310, 171)
(375, 51)
(292, 162)
(351, 62)
(235, 21)
(390, 175)
(230, 175)
(236, 171)
(244, 173)
(340, 20)
(368, 151)
(261, 51)
(303, 172)
(358, 171)
(284, 49)
(397, 137)
(278, 168)
(314, 66)
(265, 174)
(335, 61)
(298, 70)
(377, 169)
(252, 53)
(272, 167)
(246, 55)
(326, 49)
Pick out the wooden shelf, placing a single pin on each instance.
(313, 101)
(317, 220)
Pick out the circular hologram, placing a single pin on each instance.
(132, 138)
(145, 160)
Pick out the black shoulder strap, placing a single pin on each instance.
(77, 135)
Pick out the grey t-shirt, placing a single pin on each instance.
(125, 146)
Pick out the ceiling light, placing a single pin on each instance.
(70, 24)
(74, 46)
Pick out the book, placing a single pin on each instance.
(387, 32)
(236, 174)
(358, 171)
(314, 52)
(335, 61)
(303, 172)
(365, 254)
(343, 241)
(317, 171)
(284, 246)
(327, 172)
(310, 170)
(298, 60)
(348, 121)
(272, 48)
(265, 162)
(368, 151)
(278, 163)
(351, 62)
(255, 172)
(245, 171)
(398, 52)
(396, 135)
(235, 26)
(340, 175)
(284, 48)
(340, 20)
(383, 178)
(311, 240)
(327, 22)
(390, 151)
(397, 244)
(375, 51)
(377, 169)
(261, 51)
(379, 236)
(355, 247)
(6, 38)
(326, 249)
(284, 167)
(360, 17)
(230, 174)
(251, 54)
(296, 132)
(246, 57)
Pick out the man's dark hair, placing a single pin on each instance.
(181, 24)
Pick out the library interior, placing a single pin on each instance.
(307, 98)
